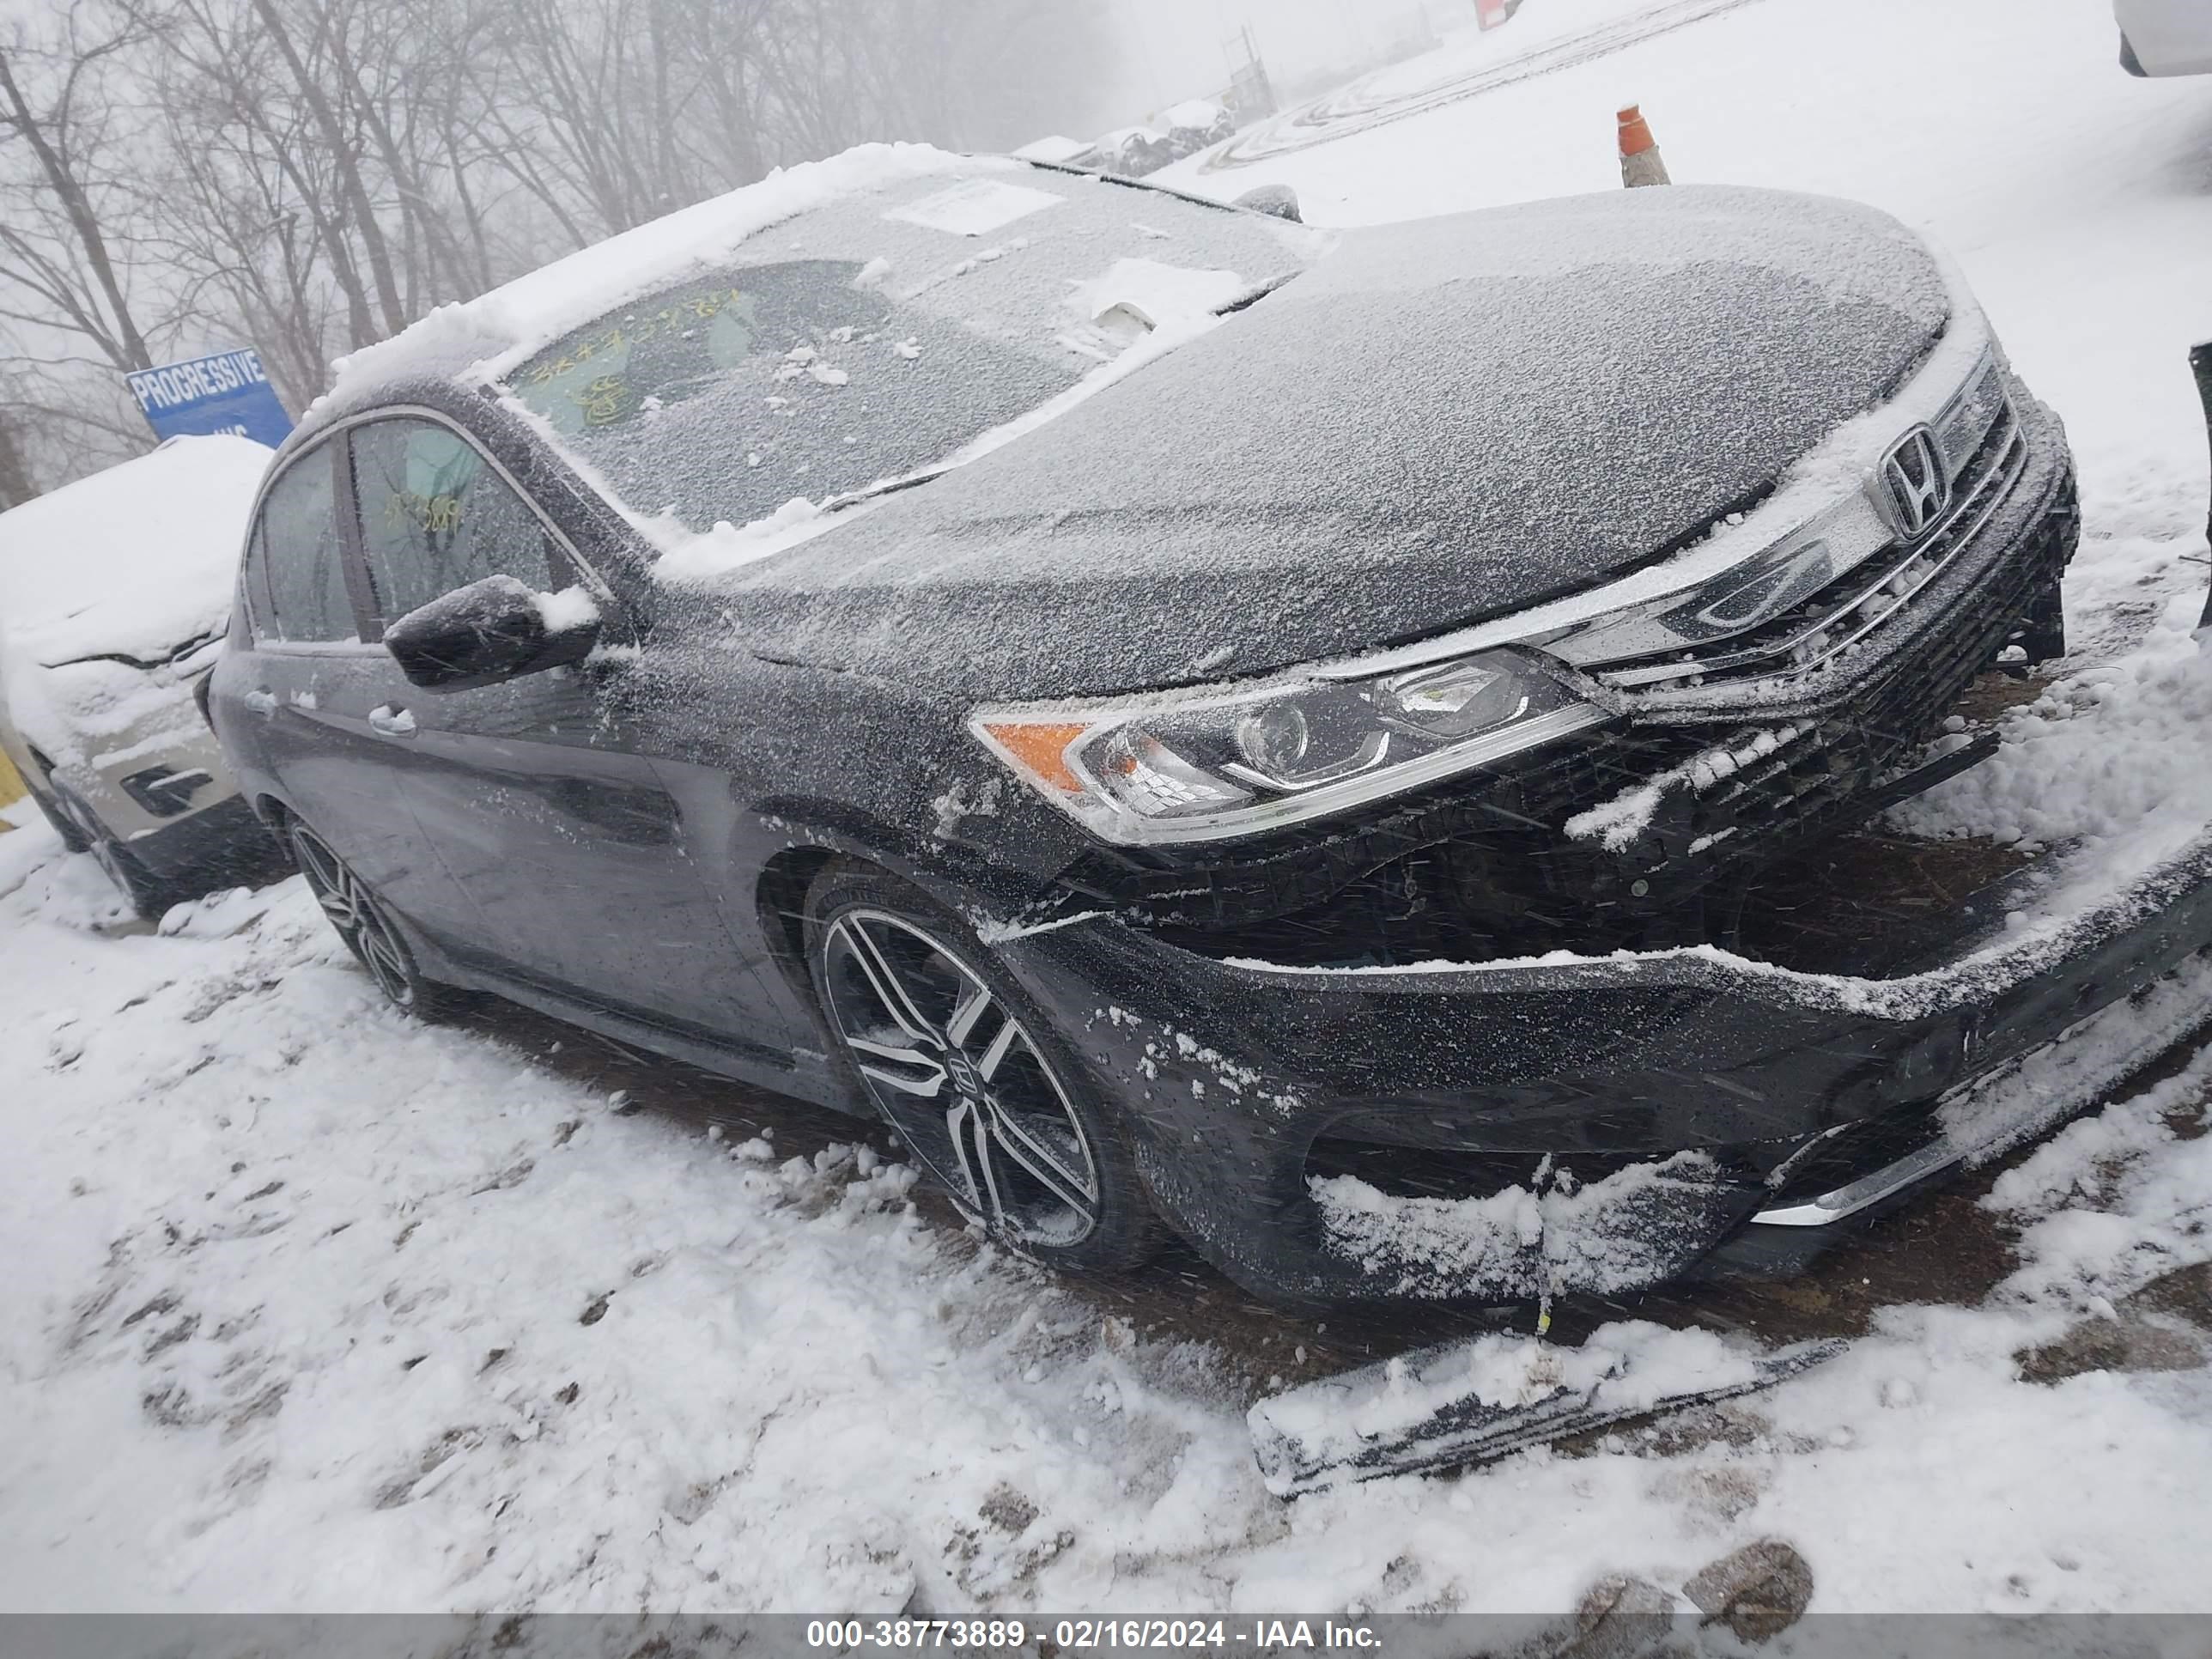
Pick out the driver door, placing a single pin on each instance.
(567, 839)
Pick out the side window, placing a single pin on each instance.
(435, 516)
(296, 549)
(253, 583)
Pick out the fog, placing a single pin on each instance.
(1172, 50)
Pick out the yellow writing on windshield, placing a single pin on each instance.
(636, 331)
(403, 507)
(601, 400)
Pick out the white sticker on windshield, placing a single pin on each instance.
(975, 206)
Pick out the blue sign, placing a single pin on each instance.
(229, 392)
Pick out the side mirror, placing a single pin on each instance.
(492, 631)
(1280, 200)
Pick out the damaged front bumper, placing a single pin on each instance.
(1636, 833)
(1500, 1131)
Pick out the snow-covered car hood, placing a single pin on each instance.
(1443, 422)
(133, 561)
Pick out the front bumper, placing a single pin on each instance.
(1618, 838)
(1639, 1110)
(146, 779)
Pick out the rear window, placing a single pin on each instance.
(876, 337)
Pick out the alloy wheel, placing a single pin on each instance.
(960, 1078)
(354, 911)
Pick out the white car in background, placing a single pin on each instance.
(115, 593)
(2165, 37)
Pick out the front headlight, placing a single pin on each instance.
(1206, 765)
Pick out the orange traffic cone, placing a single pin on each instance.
(1639, 155)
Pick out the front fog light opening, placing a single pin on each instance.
(162, 791)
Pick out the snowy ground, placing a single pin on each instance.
(313, 1308)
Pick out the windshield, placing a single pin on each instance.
(877, 337)
(723, 400)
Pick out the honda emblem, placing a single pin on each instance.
(1918, 487)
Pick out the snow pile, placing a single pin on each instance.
(1488, 1242)
(2110, 758)
(1192, 114)
(688, 557)
(98, 713)
(137, 561)
(1156, 294)
(568, 612)
(1054, 150)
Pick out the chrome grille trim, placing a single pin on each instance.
(1852, 529)
(1856, 603)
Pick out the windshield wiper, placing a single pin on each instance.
(147, 665)
(883, 487)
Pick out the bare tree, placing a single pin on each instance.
(56, 238)
(308, 176)
(18, 482)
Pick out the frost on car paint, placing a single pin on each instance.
(1481, 424)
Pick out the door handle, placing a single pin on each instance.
(388, 720)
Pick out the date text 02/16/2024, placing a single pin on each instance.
(1257, 1635)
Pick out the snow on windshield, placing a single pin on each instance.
(720, 401)
(879, 336)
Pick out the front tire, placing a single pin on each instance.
(73, 838)
(965, 1070)
(361, 920)
(151, 895)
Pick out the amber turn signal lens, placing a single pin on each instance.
(1041, 747)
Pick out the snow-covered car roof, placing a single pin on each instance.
(132, 562)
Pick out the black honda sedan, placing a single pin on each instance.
(1192, 719)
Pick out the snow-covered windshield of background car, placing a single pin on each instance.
(877, 336)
